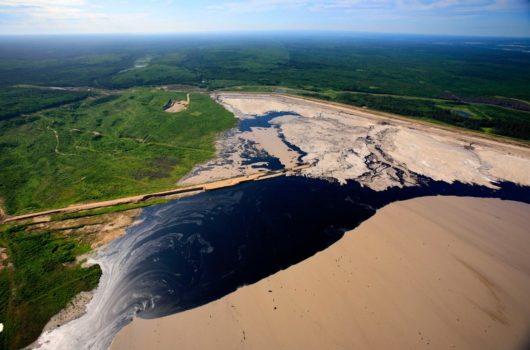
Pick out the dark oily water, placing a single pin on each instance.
(215, 242)
(197, 249)
(262, 121)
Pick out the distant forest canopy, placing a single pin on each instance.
(475, 83)
(404, 65)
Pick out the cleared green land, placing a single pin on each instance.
(105, 148)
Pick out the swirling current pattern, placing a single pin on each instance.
(196, 249)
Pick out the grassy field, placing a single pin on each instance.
(41, 279)
(105, 148)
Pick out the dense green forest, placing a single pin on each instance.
(415, 66)
(483, 86)
(24, 100)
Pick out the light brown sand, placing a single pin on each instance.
(97, 230)
(178, 106)
(433, 273)
(269, 140)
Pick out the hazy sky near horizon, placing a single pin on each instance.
(454, 17)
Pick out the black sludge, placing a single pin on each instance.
(218, 241)
(197, 249)
(215, 242)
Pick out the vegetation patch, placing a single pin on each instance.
(153, 75)
(121, 146)
(107, 210)
(41, 279)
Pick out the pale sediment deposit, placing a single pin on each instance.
(433, 272)
(348, 144)
(231, 149)
(268, 140)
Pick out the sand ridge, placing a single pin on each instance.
(434, 272)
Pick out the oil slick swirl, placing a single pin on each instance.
(197, 249)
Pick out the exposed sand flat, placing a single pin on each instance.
(268, 140)
(229, 161)
(434, 273)
(346, 143)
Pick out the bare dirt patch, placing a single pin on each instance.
(94, 230)
(175, 106)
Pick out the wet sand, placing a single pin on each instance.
(434, 272)
(269, 140)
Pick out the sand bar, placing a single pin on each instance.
(434, 273)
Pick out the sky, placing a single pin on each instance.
(444, 17)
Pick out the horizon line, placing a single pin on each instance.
(263, 32)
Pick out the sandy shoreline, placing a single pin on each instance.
(434, 272)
